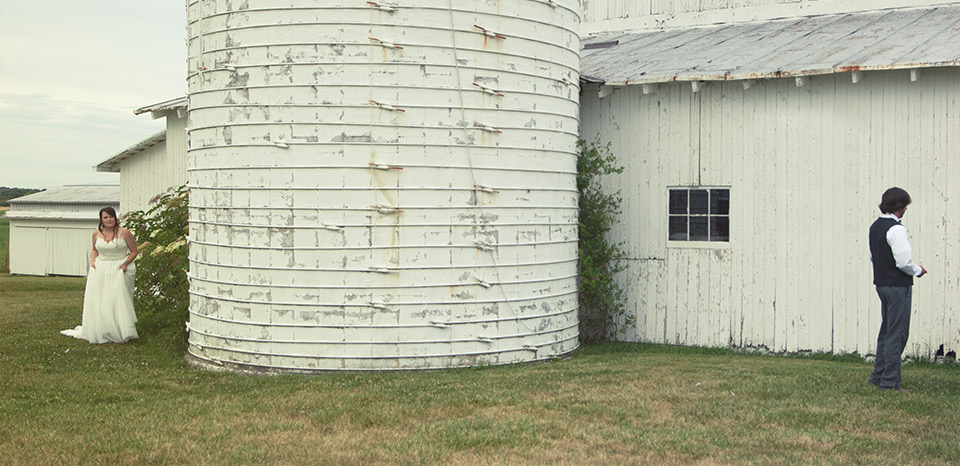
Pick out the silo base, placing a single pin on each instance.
(255, 369)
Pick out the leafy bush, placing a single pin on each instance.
(601, 299)
(161, 289)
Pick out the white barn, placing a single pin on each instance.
(51, 231)
(156, 164)
(773, 127)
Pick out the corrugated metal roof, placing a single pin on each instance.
(73, 194)
(172, 104)
(876, 40)
(113, 163)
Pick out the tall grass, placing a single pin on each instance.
(63, 401)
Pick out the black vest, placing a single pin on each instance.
(885, 271)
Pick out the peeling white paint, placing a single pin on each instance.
(382, 187)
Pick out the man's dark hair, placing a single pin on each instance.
(893, 200)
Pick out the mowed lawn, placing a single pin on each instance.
(67, 402)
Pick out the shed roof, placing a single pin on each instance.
(173, 104)
(106, 194)
(112, 164)
(876, 40)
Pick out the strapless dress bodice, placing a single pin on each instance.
(112, 251)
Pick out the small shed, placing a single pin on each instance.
(50, 231)
(156, 164)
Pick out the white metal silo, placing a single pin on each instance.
(377, 186)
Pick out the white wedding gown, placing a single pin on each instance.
(108, 314)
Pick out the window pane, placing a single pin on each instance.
(719, 228)
(698, 228)
(678, 228)
(719, 202)
(678, 202)
(698, 202)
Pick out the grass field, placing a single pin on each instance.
(4, 242)
(67, 402)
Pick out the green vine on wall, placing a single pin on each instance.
(161, 295)
(601, 299)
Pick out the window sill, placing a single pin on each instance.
(698, 244)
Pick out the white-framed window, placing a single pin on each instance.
(699, 214)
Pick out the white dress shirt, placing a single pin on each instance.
(900, 245)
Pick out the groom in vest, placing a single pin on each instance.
(893, 272)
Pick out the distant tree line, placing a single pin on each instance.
(12, 193)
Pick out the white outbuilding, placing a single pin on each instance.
(155, 165)
(51, 231)
(757, 141)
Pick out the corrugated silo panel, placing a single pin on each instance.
(380, 187)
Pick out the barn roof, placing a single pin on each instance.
(105, 194)
(112, 164)
(71, 202)
(907, 38)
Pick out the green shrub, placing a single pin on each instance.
(161, 290)
(4, 243)
(601, 299)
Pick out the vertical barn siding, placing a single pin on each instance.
(806, 167)
(28, 239)
(177, 150)
(68, 245)
(51, 246)
(156, 170)
(136, 195)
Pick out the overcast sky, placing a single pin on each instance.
(71, 74)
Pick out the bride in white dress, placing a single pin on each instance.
(108, 314)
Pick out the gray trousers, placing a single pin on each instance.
(895, 309)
